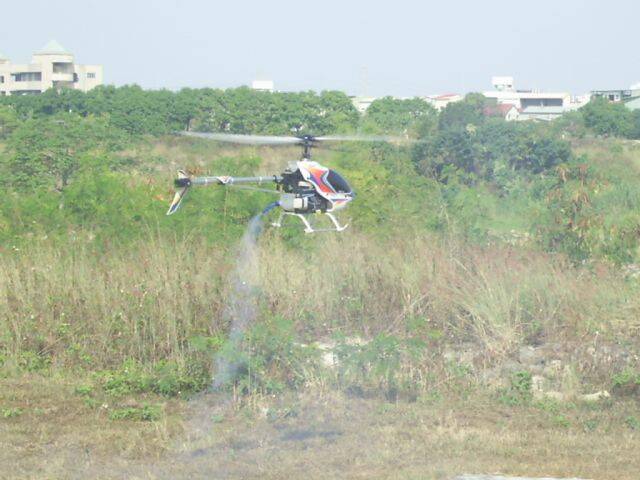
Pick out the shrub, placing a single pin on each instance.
(519, 390)
(626, 382)
(146, 413)
(165, 378)
(387, 365)
(11, 412)
(269, 358)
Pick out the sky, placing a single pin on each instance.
(395, 47)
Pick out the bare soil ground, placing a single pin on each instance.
(311, 435)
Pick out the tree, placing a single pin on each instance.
(466, 114)
(392, 115)
(607, 118)
(49, 151)
(495, 151)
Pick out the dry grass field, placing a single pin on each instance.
(312, 435)
(450, 411)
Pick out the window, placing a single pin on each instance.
(27, 77)
(1, 78)
(338, 183)
(91, 75)
(62, 67)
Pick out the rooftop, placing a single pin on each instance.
(500, 109)
(53, 48)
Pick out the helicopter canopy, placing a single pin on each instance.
(338, 182)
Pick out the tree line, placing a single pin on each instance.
(239, 110)
(48, 137)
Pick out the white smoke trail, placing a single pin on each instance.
(242, 306)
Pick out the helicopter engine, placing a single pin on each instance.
(301, 202)
(299, 196)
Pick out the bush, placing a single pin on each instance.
(519, 390)
(268, 359)
(11, 412)
(165, 378)
(146, 413)
(626, 382)
(387, 365)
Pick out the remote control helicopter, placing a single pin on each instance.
(304, 188)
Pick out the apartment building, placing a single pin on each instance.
(504, 92)
(51, 67)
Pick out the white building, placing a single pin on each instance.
(542, 114)
(262, 85)
(51, 67)
(531, 104)
(502, 84)
(440, 101)
(504, 92)
(362, 103)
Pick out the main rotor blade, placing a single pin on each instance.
(362, 138)
(245, 139)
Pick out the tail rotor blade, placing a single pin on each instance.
(182, 183)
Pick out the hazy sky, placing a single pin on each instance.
(397, 47)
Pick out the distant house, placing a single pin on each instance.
(362, 103)
(615, 95)
(441, 101)
(504, 92)
(263, 85)
(503, 110)
(51, 67)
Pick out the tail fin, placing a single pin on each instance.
(183, 182)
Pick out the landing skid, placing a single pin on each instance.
(308, 228)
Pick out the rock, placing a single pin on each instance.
(552, 369)
(551, 395)
(537, 384)
(528, 355)
(327, 349)
(509, 367)
(595, 397)
(327, 356)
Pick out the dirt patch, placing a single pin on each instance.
(319, 435)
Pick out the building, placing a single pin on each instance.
(616, 95)
(503, 110)
(263, 85)
(440, 101)
(541, 114)
(362, 103)
(504, 92)
(502, 84)
(531, 104)
(51, 67)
